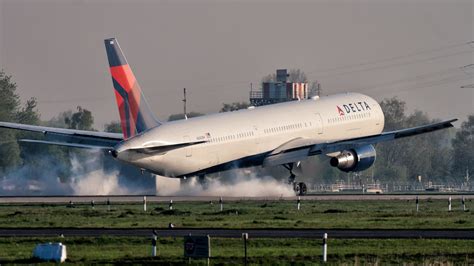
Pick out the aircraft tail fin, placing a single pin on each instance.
(135, 113)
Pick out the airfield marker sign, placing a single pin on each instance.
(325, 247)
(449, 204)
(197, 247)
(154, 239)
(245, 236)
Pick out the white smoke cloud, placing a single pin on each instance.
(98, 183)
(87, 181)
(238, 185)
(88, 177)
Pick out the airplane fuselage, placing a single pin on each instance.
(344, 126)
(247, 134)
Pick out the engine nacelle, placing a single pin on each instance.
(355, 160)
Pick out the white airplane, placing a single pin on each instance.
(343, 126)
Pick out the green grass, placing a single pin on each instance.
(397, 214)
(267, 251)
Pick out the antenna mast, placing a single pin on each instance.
(184, 103)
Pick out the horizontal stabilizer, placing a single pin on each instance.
(69, 137)
(67, 144)
(63, 131)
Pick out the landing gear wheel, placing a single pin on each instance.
(300, 188)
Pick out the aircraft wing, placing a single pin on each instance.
(299, 149)
(69, 137)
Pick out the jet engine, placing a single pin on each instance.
(355, 160)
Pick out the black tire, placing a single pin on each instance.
(302, 189)
(297, 188)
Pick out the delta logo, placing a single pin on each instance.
(353, 108)
(339, 110)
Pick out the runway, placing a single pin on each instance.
(237, 233)
(152, 198)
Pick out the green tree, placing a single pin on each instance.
(29, 115)
(9, 104)
(403, 160)
(114, 127)
(82, 119)
(463, 149)
(387, 166)
(394, 110)
(226, 107)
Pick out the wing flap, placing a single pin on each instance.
(287, 157)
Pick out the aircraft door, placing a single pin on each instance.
(257, 135)
(187, 149)
(319, 124)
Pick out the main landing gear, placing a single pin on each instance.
(300, 188)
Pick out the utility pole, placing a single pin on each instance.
(184, 103)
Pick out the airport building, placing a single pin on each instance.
(280, 90)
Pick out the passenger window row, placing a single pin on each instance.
(233, 137)
(348, 117)
(284, 128)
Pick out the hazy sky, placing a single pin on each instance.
(410, 49)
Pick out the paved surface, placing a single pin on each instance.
(237, 233)
(97, 199)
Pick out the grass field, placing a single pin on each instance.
(260, 251)
(398, 214)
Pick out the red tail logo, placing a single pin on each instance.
(339, 110)
(135, 114)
